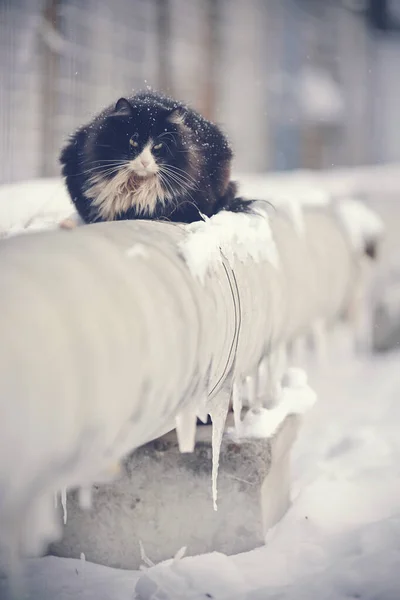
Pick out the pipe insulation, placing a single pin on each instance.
(111, 334)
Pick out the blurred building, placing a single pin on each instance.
(295, 83)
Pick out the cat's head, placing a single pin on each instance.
(140, 147)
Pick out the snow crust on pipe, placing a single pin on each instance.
(360, 222)
(297, 397)
(128, 340)
(234, 236)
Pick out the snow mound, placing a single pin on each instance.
(360, 222)
(33, 206)
(230, 235)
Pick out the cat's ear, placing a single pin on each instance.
(177, 116)
(122, 109)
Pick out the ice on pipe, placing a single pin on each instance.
(218, 410)
(234, 236)
(214, 576)
(263, 382)
(297, 397)
(360, 222)
(201, 407)
(145, 559)
(137, 250)
(276, 364)
(186, 422)
(251, 392)
(236, 405)
(64, 505)
(319, 334)
(293, 208)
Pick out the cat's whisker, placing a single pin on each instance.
(186, 202)
(167, 185)
(181, 177)
(182, 183)
(170, 134)
(174, 167)
(92, 173)
(181, 172)
(102, 160)
(186, 192)
(188, 182)
(183, 187)
(105, 161)
(103, 170)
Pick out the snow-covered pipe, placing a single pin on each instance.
(113, 334)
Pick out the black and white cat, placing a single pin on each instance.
(149, 157)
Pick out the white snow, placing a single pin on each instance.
(137, 250)
(230, 235)
(339, 539)
(189, 579)
(296, 398)
(360, 222)
(236, 405)
(33, 206)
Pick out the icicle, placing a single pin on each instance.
(186, 422)
(202, 411)
(55, 499)
(137, 250)
(218, 410)
(262, 378)
(147, 561)
(276, 364)
(85, 498)
(179, 555)
(251, 389)
(236, 405)
(318, 330)
(64, 504)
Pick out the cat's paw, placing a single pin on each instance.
(70, 222)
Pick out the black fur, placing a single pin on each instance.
(195, 150)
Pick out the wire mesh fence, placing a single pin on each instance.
(261, 68)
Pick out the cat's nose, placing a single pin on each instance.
(145, 162)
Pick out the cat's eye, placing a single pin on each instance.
(133, 143)
(157, 147)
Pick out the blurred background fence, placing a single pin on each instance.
(295, 83)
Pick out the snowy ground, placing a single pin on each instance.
(341, 537)
(339, 540)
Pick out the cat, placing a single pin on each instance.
(149, 157)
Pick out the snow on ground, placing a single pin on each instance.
(341, 537)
